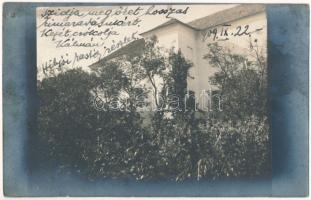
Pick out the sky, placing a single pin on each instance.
(74, 57)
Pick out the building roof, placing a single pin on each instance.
(132, 49)
(169, 22)
(136, 47)
(217, 18)
(227, 15)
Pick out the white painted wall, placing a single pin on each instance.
(239, 45)
(187, 45)
(194, 47)
(167, 36)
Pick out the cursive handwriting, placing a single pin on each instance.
(92, 54)
(56, 64)
(169, 11)
(89, 34)
(225, 31)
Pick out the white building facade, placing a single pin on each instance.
(236, 28)
(226, 26)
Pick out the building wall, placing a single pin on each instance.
(183, 38)
(193, 45)
(167, 36)
(238, 44)
(188, 46)
(168, 39)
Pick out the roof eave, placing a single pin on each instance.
(175, 22)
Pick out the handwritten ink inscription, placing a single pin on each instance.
(64, 26)
(80, 36)
(225, 31)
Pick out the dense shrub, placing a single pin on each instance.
(235, 149)
(175, 145)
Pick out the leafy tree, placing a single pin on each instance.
(238, 139)
(92, 122)
(65, 118)
(122, 141)
(242, 82)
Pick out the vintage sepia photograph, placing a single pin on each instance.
(174, 99)
(153, 92)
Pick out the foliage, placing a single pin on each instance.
(242, 82)
(173, 144)
(235, 149)
(65, 118)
